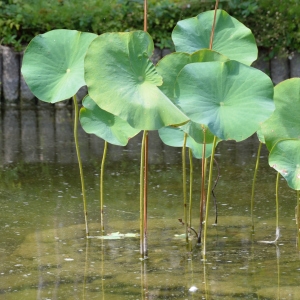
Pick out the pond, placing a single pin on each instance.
(43, 250)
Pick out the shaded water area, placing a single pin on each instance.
(43, 250)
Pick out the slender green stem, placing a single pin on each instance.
(203, 194)
(210, 179)
(142, 196)
(191, 186)
(298, 217)
(146, 194)
(213, 26)
(145, 15)
(184, 186)
(277, 202)
(102, 187)
(76, 114)
(253, 184)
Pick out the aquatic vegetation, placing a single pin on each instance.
(109, 127)
(53, 69)
(198, 96)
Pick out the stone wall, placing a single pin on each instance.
(14, 91)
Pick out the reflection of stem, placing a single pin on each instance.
(142, 196)
(79, 162)
(205, 279)
(191, 187)
(102, 270)
(253, 184)
(209, 193)
(184, 186)
(278, 272)
(146, 194)
(85, 268)
(101, 186)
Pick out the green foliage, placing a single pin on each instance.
(274, 23)
(117, 66)
(61, 52)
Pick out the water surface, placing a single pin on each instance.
(43, 250)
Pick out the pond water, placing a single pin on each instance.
(43, 250)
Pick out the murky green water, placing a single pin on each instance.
(43, 250)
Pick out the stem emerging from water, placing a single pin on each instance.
(298, 217)
(277, 205)
(203, 207)
(253, 184)
(142, 170)
(209, 188)
(191, 186)
(101, 186)
(146, 194)
(76, 114)
(203, 195)
(184, 186)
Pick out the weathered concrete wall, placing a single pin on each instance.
(14, 90)
(10, 75)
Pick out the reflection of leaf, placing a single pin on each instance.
(53, 64)
(231, 99)
(122, 80)
(105, 125)
(232, 38)
(182, 236)
(115, 236)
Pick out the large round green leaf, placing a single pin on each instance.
(53, 64)
(174, 137)
(284, 122)
(122, 80)
(105, 125)
(231, 38)
(231, 98)
(285, 158)
(170, 66)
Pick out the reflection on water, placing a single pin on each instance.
(43, 251)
